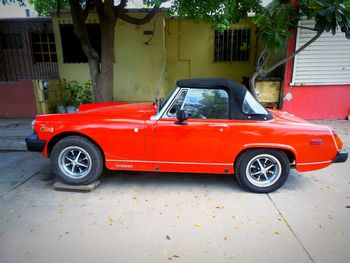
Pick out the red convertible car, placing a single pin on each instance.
(202, 126)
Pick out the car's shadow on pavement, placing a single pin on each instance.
(160, 179)
(179, 180)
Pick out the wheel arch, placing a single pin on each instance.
(288, 150)
(63, 135)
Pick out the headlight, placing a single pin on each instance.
(33, 122)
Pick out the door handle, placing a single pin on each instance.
(218, 125)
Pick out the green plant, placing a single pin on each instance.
(75, 94)
(64, 101)
(84, 94)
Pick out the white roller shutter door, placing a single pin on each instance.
(326, 61)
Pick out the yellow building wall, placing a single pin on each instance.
(69, 71)
(178, 49)
(191, 53)
(139, 66)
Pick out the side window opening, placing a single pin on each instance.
(207, 104)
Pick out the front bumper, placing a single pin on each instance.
(34, 144)
(341, 157)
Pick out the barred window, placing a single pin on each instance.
(11, 41)
(43, 46)
(232, 45)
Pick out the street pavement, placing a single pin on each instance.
(12, 134)
(168, 217)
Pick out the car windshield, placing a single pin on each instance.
(251, 106)
(164, 101)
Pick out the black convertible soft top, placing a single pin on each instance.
(236, 90)
(212, 83)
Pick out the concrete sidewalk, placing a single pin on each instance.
(13, 132)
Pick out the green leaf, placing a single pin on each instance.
(324, 12)
(334, 31)
(347, 34)
(330, 17)
(338, 16)
(328, 27)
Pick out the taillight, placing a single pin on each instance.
(338, 141)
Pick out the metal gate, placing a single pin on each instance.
(27, 49)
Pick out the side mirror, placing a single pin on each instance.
(181, 116)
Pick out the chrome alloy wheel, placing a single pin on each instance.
(263, 170)
(74, 162)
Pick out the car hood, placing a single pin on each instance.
(136, 111)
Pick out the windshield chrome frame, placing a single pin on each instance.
(166, 106)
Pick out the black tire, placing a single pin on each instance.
(252, 173)
(76, 160)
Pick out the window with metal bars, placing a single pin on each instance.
(232, 45)
(43, 47)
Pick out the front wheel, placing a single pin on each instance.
(76, 160)
(262, 170)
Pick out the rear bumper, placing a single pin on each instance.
(341, 157)
(34, 144)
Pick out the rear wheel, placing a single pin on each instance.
(262, 170)
(76, 160)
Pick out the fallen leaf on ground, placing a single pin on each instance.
(110, 220)
(197, 225)
(277, 233)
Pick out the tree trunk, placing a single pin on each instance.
(260, 72)
(91, 54)
(252, 82)
(102, 73)
(103, 90)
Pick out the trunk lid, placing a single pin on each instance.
(283, 115)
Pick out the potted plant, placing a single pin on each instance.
(84, 94)
(75, 94)
(62, 104)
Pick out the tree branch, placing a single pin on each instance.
(279, 63)
(81, 31)
(58, 6)
(85, 11)
(304, 27)
(265, 60)
(122, 4)
(121, 13)
(257, 64)
(99, 6)
(138, 21)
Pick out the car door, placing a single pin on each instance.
(201, 138)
